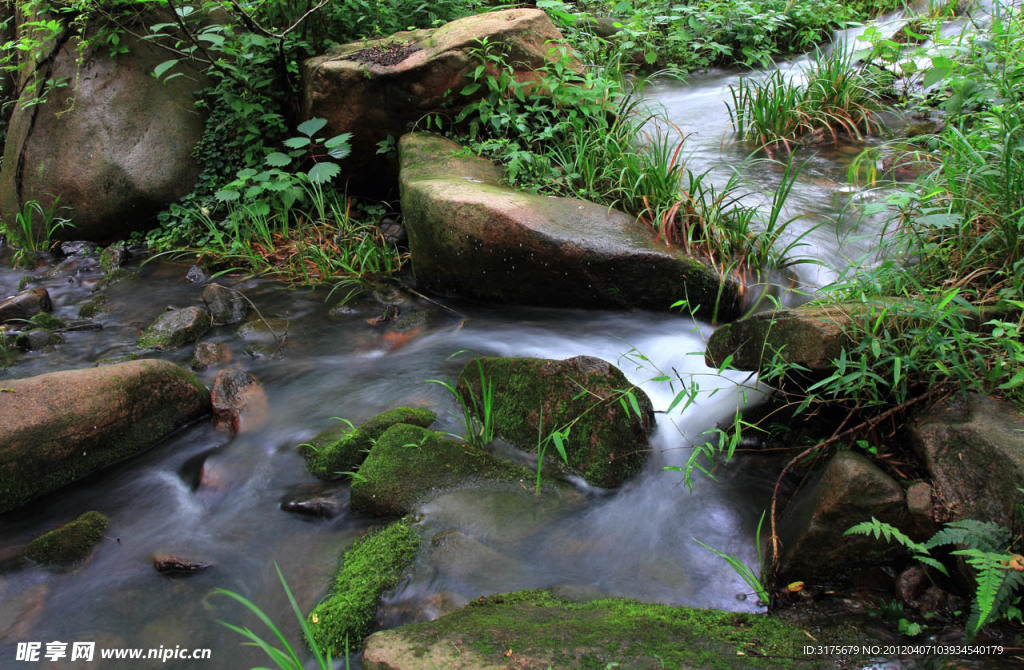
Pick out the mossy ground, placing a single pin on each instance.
(536, 629)
(408, 463)
(70, 543)
(375, 563)
(341, 450)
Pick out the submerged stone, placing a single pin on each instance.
(408, 464)
(342, 449)
(225, 305)
(607, 442)
(264, 336)
(38, 339)
(239, 401)
(69, 544)
(538, 629)
(170, 564)
(374, 564)
(176, 328)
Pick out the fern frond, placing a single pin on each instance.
(983, 535)
(890, 532)
(991, 574)
(931, 563)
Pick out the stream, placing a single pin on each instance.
(202, 495)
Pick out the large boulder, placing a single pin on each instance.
(469, 235)
(62, 426)
(974, 451)
(849, 490)
(607, 440)
(114, 145)
(541, 629)
(379, 88)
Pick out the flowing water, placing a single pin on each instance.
(204, 495)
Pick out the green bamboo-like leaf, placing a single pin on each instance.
(160, 69)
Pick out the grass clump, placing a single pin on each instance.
(69, 544)
(836, 99)
(339, 451)
(374, 564)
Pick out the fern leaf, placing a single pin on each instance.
(882, 529)
(991, 574)
(931, 563)
(983, 535)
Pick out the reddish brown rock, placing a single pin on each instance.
(169, 564)
(239, 401)
(59, 427)
(379, 88)
(25, 305)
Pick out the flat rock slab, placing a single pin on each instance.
(59, 427)
(469, 235)
(539, 630)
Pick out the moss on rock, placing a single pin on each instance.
(47, 321)
(70, 543)
(538, 629)
(607, 443)
(176, 328)
(93, 307)
(374, 564)
(408, 463)
(341, 449)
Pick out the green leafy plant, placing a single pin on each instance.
(985, 546)
(285, 656)
(477, 413)
(749, 575)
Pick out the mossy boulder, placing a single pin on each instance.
(113, 257)
(94, 307)
(469, 235)
(264, 336)
(343, 449)
(374, 564)
(607, 442)
(409, 464)
(62, 426)
(176, 328)
(69, 544)
(539, 629)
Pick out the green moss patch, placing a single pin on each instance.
(409, 463)
(47, 321)
(607, 443)
(536, 629)
(340, 449)
(375, 563)
(70, 543)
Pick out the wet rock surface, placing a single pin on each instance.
(176, 328)
(25, 305)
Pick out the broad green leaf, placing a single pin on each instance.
(278, 159)
(324, 172)
(227, 195)
(312, 126)
(297, 142)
